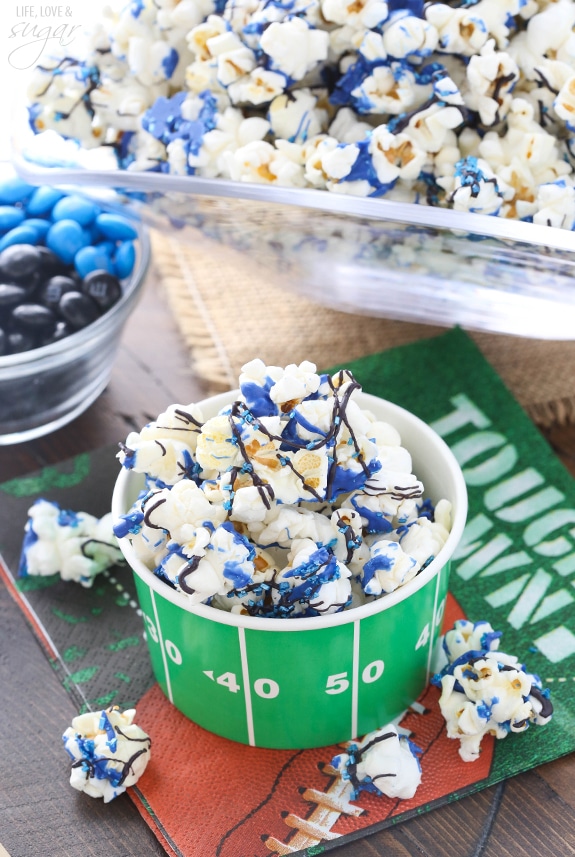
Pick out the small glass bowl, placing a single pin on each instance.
(43, 389)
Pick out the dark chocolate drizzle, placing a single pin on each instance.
(187, 570)
(546, 704)
(148, 511)
(187, 419)
(355, 757)
(91, 541)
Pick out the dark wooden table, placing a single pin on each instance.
(40, 815)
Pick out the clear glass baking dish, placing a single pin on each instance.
(367, 256)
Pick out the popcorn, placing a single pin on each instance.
(388, 568)
(75, 545)
(473, 187)
(383, 763)
(556, 205)
(260, 162)
(294, 48)
(363, 14)
(296, 118)
(109, 752)
(292, 501)
(466, 636)
(468, 107)
(165, 447)
(491, 78)
(409, 37)
(317, 580)
(395, 156)
(484, 691)
(388, 89)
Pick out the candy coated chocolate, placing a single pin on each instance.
(61, 331)
(116, 227)
(43, 200)
(76, 208)
(40, 226)
(10, 216)
(103, 288)
(50, 263)
(51, 292)
(23, 234)
(13, 190)
(33, 317)
(18, 342)
(125, 259)
(78, 309)
(10, 295)
(66, 237)
(90, 259)
(19, 262)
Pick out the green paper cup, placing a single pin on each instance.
(307, 682)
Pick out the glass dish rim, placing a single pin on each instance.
(375, 210)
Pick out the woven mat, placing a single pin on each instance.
(230, 310)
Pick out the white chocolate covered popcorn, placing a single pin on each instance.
(485, 691)
(75, 545)
(283, 502)
(382, 763)
(109, 752)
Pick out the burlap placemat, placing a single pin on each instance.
(230, 310)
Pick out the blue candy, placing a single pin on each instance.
(41, 227)
(43, 200)
(76, 208)
(10, 217)
(108, 246)
(14, 190)
(124, 260)
(65, 238)
(20, 235)
(93, 259)
(116, 227)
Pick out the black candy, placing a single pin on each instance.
(102, 287)
(33, 317)
(10, 295)
(50, 264)
(20, 263)
(78, 309)
(18, 342)
(50, 294)
(43, 300)
(61, 331)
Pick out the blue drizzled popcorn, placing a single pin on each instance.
(166, 446)
(382, 763)
(76, 545)
(465, 105)
(485, 691)
(291, 501)
(109, 752)
(466, 636)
